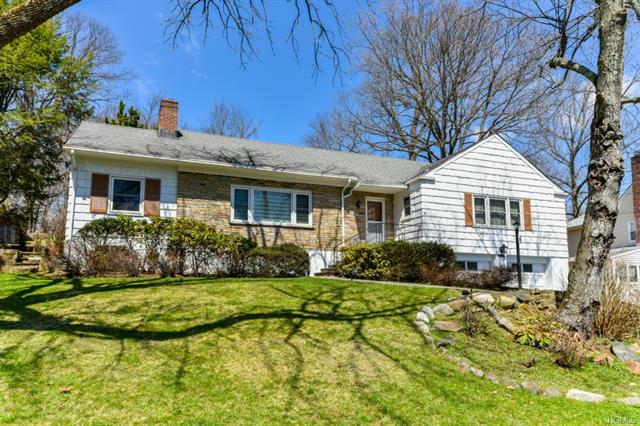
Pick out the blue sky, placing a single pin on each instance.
(280, 92)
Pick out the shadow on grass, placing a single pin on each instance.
(340, 303)
(330, 300)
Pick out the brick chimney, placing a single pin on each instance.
(168, 123)
(635, 188)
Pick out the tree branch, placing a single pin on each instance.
(635, 5)
(627, 101)
(567, 64)
(20, 19)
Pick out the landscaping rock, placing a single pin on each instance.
(483, 298)
(444, 310)
(464, 366)
(522, 296)
(446, 342)
(580, 395)
(632, 400)
(530, 386)
(493, 378)
(506, 302)
(623, 352)
(422, 327)
(634, 367)
(429, 312)
(423, 317)
(510, 384)
(450, 326)
(551, 392)
(457, 304)
(477, 372)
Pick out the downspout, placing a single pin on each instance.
(344, 197)
(74, 175)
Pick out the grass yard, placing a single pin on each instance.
(300, 351)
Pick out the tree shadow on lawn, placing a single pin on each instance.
(341, 303)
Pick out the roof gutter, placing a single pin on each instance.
(344, 196)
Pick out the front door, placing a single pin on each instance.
(375, 221)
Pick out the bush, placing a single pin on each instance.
(121, 245)
(284, 260)
(618, 316)
(113, 260)
(473, 322)
(491, 279)
(394, 260)
(569, 350)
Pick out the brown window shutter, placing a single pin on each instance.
(526, 206)
(468, 209)
(99, 193)
(152, 197)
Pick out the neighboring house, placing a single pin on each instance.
(323, 200)
(624, 249)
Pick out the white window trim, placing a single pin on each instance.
(404, 214)
(487, 211)
(251, 221)
(629, 224)
(140, 211)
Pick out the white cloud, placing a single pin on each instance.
(198, 74)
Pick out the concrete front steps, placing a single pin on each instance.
(326, 272)
(19, 261)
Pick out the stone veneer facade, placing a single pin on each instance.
(208, 198)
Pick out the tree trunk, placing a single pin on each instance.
(606, 168)
(20, 19)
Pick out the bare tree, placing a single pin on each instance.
(229, 119)
(244, 21)
(438, 77)
(583, 31)
(92, 41)
(22, 17)
(336, 131)
(558, 143)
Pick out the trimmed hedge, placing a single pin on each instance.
(121, 245)
(394, 260)
(284, 260)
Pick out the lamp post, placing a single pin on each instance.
(517, 227)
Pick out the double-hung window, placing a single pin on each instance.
(496, 212)
(270, 206)
(632, 231)
(126, 195)
(406, 206)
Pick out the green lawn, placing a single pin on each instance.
(206, 351)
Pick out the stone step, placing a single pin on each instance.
(30, 261)
(23, 268)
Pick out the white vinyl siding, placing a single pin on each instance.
(80, 188)
(493, 170)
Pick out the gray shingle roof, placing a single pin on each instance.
(193, 146)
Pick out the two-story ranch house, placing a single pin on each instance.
(323, 200)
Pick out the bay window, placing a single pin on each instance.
(270, 206)
(496, 212)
